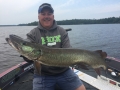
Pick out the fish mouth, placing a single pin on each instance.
(8, 41)
(14, 41)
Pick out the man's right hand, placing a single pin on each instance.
(26, 59)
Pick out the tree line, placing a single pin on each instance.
(110, 20)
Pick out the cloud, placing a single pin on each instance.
(12, 10)
(15, 5)
(25, 11)
(88, 11)
(68, 3)
(95, 8)
(110, 8)
(66, 7)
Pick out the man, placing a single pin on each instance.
(48, 33)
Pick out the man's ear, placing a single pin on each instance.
(53, 16)
(38, 16)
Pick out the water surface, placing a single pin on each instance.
(104, 37)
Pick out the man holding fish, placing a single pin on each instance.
(48, 33)
(49, 47)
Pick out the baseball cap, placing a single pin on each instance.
(47, 6)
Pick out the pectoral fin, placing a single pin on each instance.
(102, 54)
(38, 67)
(83, 66)
(97, 70)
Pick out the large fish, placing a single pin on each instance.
(60, 57)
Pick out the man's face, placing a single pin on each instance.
(46, 18)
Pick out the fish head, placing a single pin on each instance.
(25, 48)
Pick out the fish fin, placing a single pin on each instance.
(102, 54)
(83, 66)
(38, 67)
(98, 51)
(97, 70)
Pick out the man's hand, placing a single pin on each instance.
(26, 59)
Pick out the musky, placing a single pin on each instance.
(13, 12)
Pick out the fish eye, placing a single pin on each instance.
(24, 43)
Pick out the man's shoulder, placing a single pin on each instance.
(61, 29)
(34, 30)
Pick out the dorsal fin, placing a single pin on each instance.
(102, 54)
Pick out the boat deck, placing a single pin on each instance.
(104, 82)
(25, 83)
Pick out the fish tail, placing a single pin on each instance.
(102, 54)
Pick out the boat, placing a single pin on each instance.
(20, 76)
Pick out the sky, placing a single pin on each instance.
(14, 12)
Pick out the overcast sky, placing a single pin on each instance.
(13, 12)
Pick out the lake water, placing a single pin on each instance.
(104, 37)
